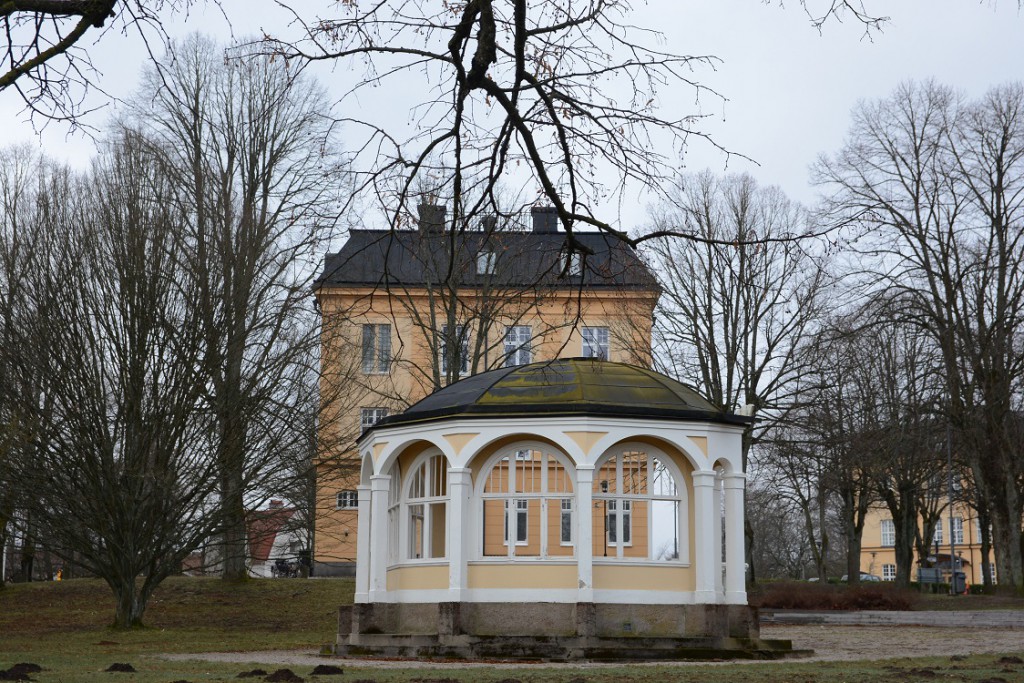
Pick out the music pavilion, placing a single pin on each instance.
(570, 509)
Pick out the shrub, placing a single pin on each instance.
(816, 596)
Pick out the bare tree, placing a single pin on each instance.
(736, 308)
(556, 97)
(258, 181)
(934, 183)
(116, 456)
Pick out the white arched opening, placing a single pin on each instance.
(526, 503)
(640, 506)
(422, 510)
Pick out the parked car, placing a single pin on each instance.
(864, 578)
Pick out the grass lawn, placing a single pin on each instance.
(63, 628)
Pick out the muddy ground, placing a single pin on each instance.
(830, 643)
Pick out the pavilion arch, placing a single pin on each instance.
(366, 469)
(524, 496)
(682, 447)
(392, 451)
(643, 491)
(489, 445)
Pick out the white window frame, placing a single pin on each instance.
(596, 343)
(937, 537)
(371, 416)
(888, 533)
(347, 499)
(462, 337)
(888, 572)
(376, 348)
(518, 345)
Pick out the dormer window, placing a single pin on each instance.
(485, 262)
(571, 263)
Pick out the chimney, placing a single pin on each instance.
(276, 504)
(432, 218)
(545, 219)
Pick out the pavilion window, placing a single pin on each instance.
(641, 507)
(527, 496)
(426, 508)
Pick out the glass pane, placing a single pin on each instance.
(529, 467)
(527, 516)
(560, 527)
(559, 480)
(663, 484)
(494, 528)
(604, 477)
(634, 472)
(438, 528)
(497, 480)
(665, 530)
(416, 531)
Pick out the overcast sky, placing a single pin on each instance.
(789, 89)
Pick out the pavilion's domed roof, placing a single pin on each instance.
(573, 386)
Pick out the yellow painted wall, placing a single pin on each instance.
(650, 578)
(523, 575)
(418, 578)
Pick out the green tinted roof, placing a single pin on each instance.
(574, 386)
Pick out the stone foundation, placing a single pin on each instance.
(554, 631)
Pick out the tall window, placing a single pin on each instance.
(394, 513)
(517, 345)
(426, 506)
(370, 416)
(956, 529)
(888, 532)
(527, 500)
(937, 538)
(460, 342)
(888, 572)
(595, 342)
(639, 506)
(376, 349)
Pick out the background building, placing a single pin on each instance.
(957, 535)
(407, 312)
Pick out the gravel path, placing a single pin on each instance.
(830, 643)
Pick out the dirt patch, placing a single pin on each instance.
(326, 670)
(843, 643)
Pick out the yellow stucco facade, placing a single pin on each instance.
(878, 553)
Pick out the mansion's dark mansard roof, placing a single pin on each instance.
(565, 387)
(521, 258)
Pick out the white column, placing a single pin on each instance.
(459, 483)
(363, 545)
(717, 537)
(585, 532)
(735, 560)
(704, 528)
(378, 542)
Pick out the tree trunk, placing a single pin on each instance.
(131, 604)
